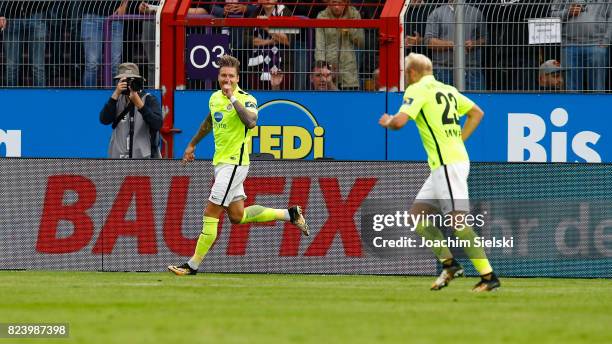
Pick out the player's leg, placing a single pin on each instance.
(257, 213)
(428, 230)
(477, 254)
(207, 238)
(427, 203)
(457, 205)
(224, 179)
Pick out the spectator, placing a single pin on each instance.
(236, 8)
(148, 38)
(306, 8)
(24, 21)
(414, 27)
(371, 9)
(302, 43)
(138, 138)
(148, 34)
(322, 77)
(94, 13)
(514, 61)
(270, 53)
(550, 78)
(377, 85)
(440, 35)
(336, 46)
(587, 33)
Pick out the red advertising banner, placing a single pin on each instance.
(142, 215)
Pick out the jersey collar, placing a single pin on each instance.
(237, 90)
(427, 78)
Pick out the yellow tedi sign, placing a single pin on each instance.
(289, 141)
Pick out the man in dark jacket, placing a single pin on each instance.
(24, 21)
(135, 115)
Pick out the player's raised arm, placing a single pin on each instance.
(394, 122)
(417, 67)
(249, 118)
(474, 116)
(204, 129)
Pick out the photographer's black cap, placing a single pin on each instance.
(128, 70)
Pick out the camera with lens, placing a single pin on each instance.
(133, 84)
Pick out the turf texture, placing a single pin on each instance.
(258, 308)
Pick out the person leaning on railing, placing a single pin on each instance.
(236, 9)
(148, 34)
(440, 36)
(269, 62)
(587, 34)
(337, 46)
(93, 14)
(414, 27)
(322, 77)
(24, 23)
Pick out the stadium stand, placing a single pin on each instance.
(43, 43)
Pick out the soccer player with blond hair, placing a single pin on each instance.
(233, 113)
(436, 109)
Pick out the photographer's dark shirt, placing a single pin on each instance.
(147, 122)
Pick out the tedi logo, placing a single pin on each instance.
(12, 142)
(288, 130)
(526, 133)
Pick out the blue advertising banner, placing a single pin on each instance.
(297, 125)
(339, 125)
(525, 127)
(54, 123)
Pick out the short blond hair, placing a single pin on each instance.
(419, 63)
(229, 61)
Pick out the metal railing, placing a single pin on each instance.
(72, 43)
(514, 45)
(79, 43)
(508, 46)
(300, 61)
(294, 58)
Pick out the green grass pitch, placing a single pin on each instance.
(259, 308)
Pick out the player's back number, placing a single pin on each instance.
(448, 117)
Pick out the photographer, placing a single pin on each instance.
(135, 116)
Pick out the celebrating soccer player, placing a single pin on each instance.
(436, 108)
(233, 113)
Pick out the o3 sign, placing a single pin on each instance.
(202, 54)
(217, 52)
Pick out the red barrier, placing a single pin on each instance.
(175, 20)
